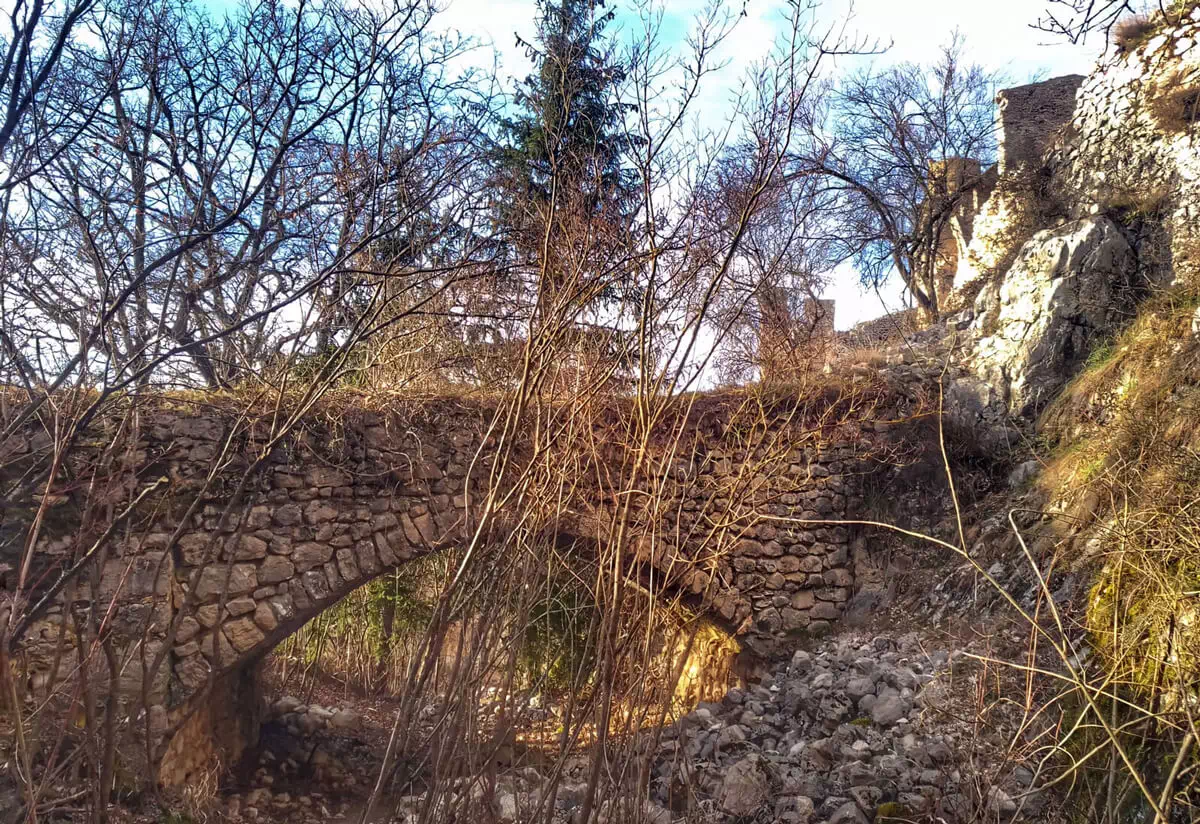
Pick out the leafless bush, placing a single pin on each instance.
(1130, 32)
(903, 179)
(1175, 102)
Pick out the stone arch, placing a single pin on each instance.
(205, 596)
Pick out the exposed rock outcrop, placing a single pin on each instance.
(1065, 291)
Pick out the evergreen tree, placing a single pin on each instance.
(567, 134)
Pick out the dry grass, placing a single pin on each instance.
(1127, 464)
(1133, 31)
(1174, 101)
(1136, 30)
(870, 356)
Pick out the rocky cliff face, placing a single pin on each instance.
(1069, 287)
(1096, 203)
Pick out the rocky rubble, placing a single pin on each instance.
(299, 718)
(835, 736)
(301, 771)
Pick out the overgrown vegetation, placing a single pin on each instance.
(283, 212)
(1129, 464)
(1175, 101)
(1125, 23)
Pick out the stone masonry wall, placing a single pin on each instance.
(1009, 208)
(224, 558)
(769, 579)
(248, 539)
(746, 513)
(1131, 146)
(1030, 117)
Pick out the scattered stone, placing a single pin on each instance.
(343, 720)
(745, 789)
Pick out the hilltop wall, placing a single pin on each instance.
(1095, 202)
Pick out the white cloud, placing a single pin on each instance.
(998, 35)
(1001, 36)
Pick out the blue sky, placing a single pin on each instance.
(998, 35)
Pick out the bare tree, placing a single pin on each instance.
(1076, 19)
(38, 34)
(191, 201)
(904, 145)
(771, 305)
(222, 200)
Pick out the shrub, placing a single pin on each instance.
(1129, 444)
(1133, 31)
(1175, 102)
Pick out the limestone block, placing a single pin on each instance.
(445, 520)
(368, 563)
(744, 564)
(275, 568)
(326, 476)
(749, 548)
(745, 788)
(299, 594)
(839, 578)
(250, 548)
(192, 671)
(194, 547)
(240, 606)
(384, 548)
(316, 585)
(426, 528)
(809, 563)
(217, 649)
(243, 634)
(207, 615)
(287, 515)
(825, 610)
(319, 512)
(281, 606)
(287, 480)
(333, 576)
(834, 594)
(804, 600)
(787, 564)
(311, 554)
(264, 617)
(793, 619)
(347, 564)
(208, 429)
(186, 630)
(410, 530)
(259, 517)
(217, 579)
(427, 470)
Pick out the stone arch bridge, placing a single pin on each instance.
(237, 540)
